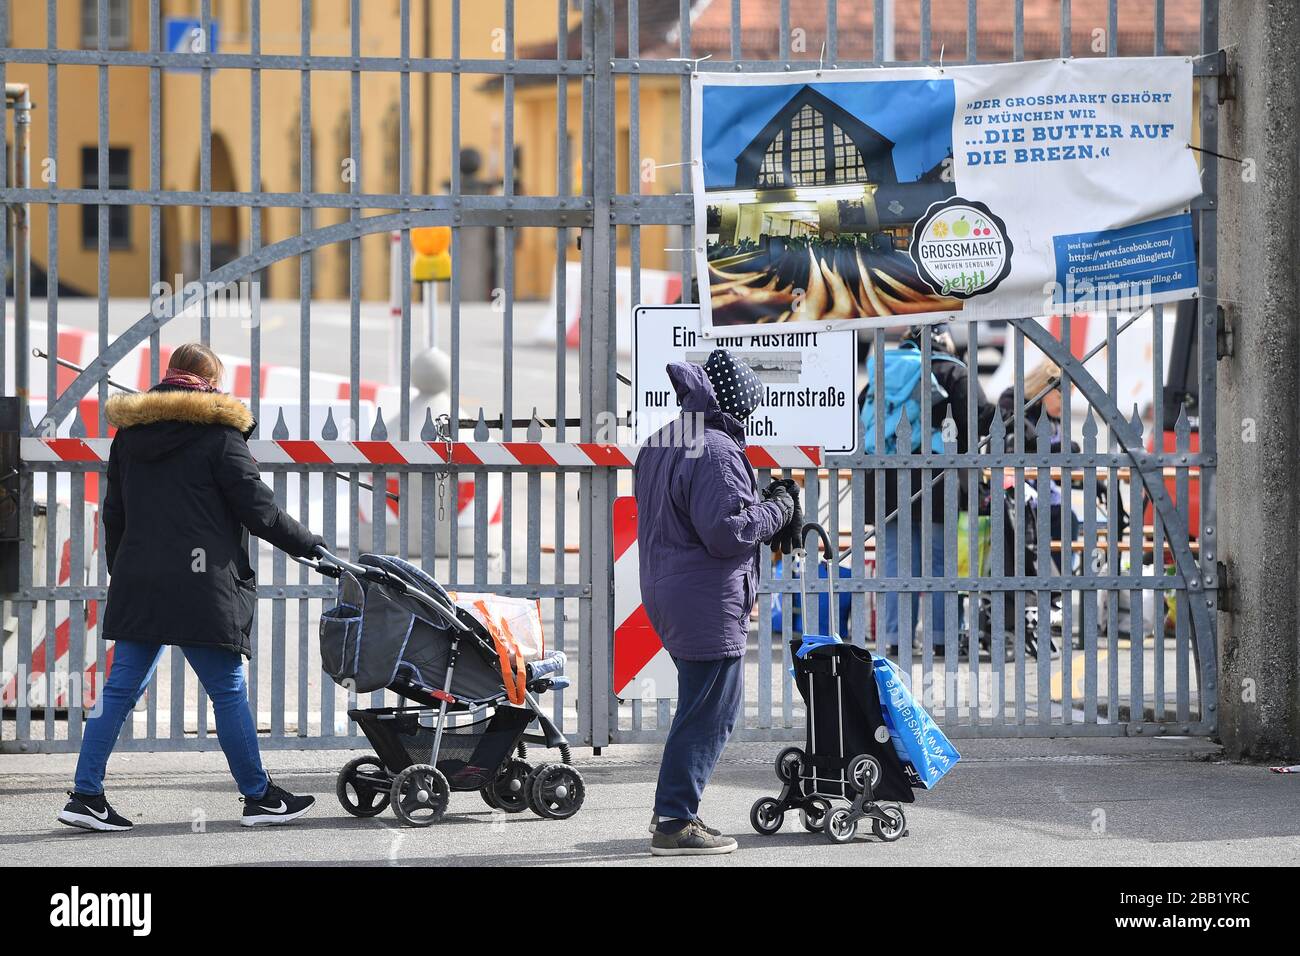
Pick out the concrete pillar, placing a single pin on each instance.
(1259, 385)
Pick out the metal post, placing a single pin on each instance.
(430, 292)
(19, 95)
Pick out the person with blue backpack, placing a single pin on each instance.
(947, 391)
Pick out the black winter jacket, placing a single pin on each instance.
(1007, 409)
(182, 489)
(955, 380)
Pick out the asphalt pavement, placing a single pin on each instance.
(1128, 802)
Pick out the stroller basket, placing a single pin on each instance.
(470, 754)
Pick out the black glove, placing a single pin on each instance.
(781, 495)
(787, 536)
(791, 537)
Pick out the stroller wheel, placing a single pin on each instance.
(864, 772)
(509, 792)
(838, 827)
(528, 787)
(813, 817)
(895, 828)
(766, 816)
(362, 786)
(420, 794)
(788, 763)
(557, 791)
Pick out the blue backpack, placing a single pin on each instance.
(903, 397)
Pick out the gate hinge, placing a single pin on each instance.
(1227, 78)
(1225, 586)
(1223, 338)
(1218, 65)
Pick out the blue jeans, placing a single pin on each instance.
(891, 635)
(709, 695)
(221, 672)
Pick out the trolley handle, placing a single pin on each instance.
(832, 572)
(828, 549)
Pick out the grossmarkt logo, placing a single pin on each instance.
(961, 248)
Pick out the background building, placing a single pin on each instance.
(482, 122)
(231, 161)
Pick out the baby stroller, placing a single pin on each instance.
(395, 627)
(849, 755)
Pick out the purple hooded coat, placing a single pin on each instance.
(699, 525)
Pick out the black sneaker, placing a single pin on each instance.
(690, 840)
(654, 826)
(92, 813)
(277, 805)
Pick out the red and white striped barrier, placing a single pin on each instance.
(81, 347)
(643, 669)
(657, 288)
(49, 657)
(466, 454)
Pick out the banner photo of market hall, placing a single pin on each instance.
(816, 223)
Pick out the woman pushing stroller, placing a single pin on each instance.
(183, 495)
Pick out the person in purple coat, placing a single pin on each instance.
(700, 522)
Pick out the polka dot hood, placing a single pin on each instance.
(738, 389)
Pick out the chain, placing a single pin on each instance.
(443, 426)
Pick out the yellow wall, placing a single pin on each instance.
(78, 123)
(482, 36)
(661, 132)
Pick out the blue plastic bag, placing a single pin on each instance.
(927, 754)
(844, 599)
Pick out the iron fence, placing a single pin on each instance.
(1145, 657)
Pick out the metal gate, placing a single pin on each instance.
(1146, 660)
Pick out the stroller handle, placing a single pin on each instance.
(331, 565)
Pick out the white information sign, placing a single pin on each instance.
(809, 377)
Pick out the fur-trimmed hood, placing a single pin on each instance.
(178, 405)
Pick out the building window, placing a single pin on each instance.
(392, 134)
(119, 24)
(808, 148)
(119, 217)
(772, 172)
(849, 167)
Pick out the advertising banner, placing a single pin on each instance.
(878, 198)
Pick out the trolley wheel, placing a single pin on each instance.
(766, 816)
(788, 763)
(420, 794)
(838, 827)
(895, 828)
(864, 769)
(362, 786)
(815, 819)
(557, 791)
(509, 791)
